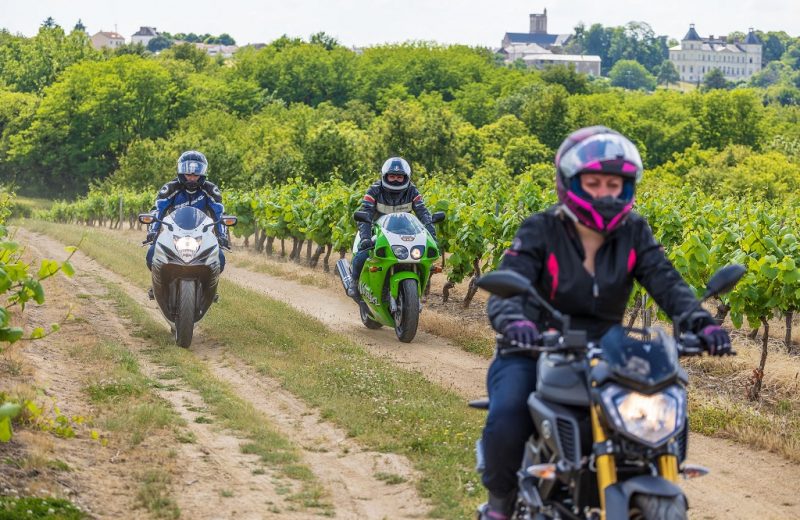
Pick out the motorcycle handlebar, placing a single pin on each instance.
(688, 344)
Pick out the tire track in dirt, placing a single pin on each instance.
(341, 465)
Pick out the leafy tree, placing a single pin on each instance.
(631, 75)
(79, 26)
(566, 76)
(89, 116)
(49, 23)
(30, 64)
(188, 53)
(523, 151)
(159, 43)
(667, 74)
(325, 40)
(731, 117)
(715, 79)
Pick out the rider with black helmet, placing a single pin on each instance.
(583, 255)
(190, 188)
(393, 193)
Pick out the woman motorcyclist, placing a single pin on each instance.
(583, 255)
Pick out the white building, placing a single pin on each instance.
(144, 35)
(108, 39)
(695, 56)
(216, 49)
(535, 48)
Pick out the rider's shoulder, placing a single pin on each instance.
(170, 188)
(213, 191)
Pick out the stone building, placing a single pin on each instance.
(537, 48)
(695, 56)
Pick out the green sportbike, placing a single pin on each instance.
(396, 273)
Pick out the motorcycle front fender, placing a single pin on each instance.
(618, 496)
(394, 281)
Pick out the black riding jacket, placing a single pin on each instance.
(379, 201)
(549, 252)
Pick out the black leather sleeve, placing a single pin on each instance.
(525, 256)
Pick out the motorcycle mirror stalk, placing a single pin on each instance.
(149, 218)
(228, 220)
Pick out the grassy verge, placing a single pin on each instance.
(13, 508)
(381, 406)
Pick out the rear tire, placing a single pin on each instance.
(648, 507)
(184, 319)
(407, 317)
(365, 317)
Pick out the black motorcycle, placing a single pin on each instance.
(610, 418)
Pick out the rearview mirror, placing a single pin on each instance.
(229, 220)
(724, 280)
(504, 283)
(146, 218)
(362, 216)
(437, 217)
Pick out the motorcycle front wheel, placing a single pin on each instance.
(649, 507)
(184, 319)
(407, 317)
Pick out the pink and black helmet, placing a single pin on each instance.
(597, 149)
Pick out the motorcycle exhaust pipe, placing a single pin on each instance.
(343, 270)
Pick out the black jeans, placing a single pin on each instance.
(510, 381)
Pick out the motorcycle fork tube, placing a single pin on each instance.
(606, 466)
(668, 467)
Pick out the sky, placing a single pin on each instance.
(370, 22)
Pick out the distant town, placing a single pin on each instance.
(693, 56)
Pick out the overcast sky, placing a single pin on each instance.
(366, 22)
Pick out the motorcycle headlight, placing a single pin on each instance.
(401, 252)
(187, 247)
(417, 252)
(651, 419)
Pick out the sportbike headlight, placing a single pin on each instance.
(651, 419)
(401, 252)
(417, 252)
(187, 247)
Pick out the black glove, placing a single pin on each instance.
(716, 340)
(223, 242)
(365, 244)
(150, 238)
(523, 332)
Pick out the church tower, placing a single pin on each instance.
(539, 23)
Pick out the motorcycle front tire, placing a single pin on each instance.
(184, 320)
(407, 318)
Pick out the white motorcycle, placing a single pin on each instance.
(186, 268)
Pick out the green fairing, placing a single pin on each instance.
(374, 282)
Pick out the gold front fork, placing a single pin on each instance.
(606, 466)
(668, 467)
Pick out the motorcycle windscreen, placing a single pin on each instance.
(188, 218)
(401, 224)
(648, 362)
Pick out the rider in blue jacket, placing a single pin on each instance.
(189, 188)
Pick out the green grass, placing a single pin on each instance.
(390, 478)
(380, 405)
(38, 509)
